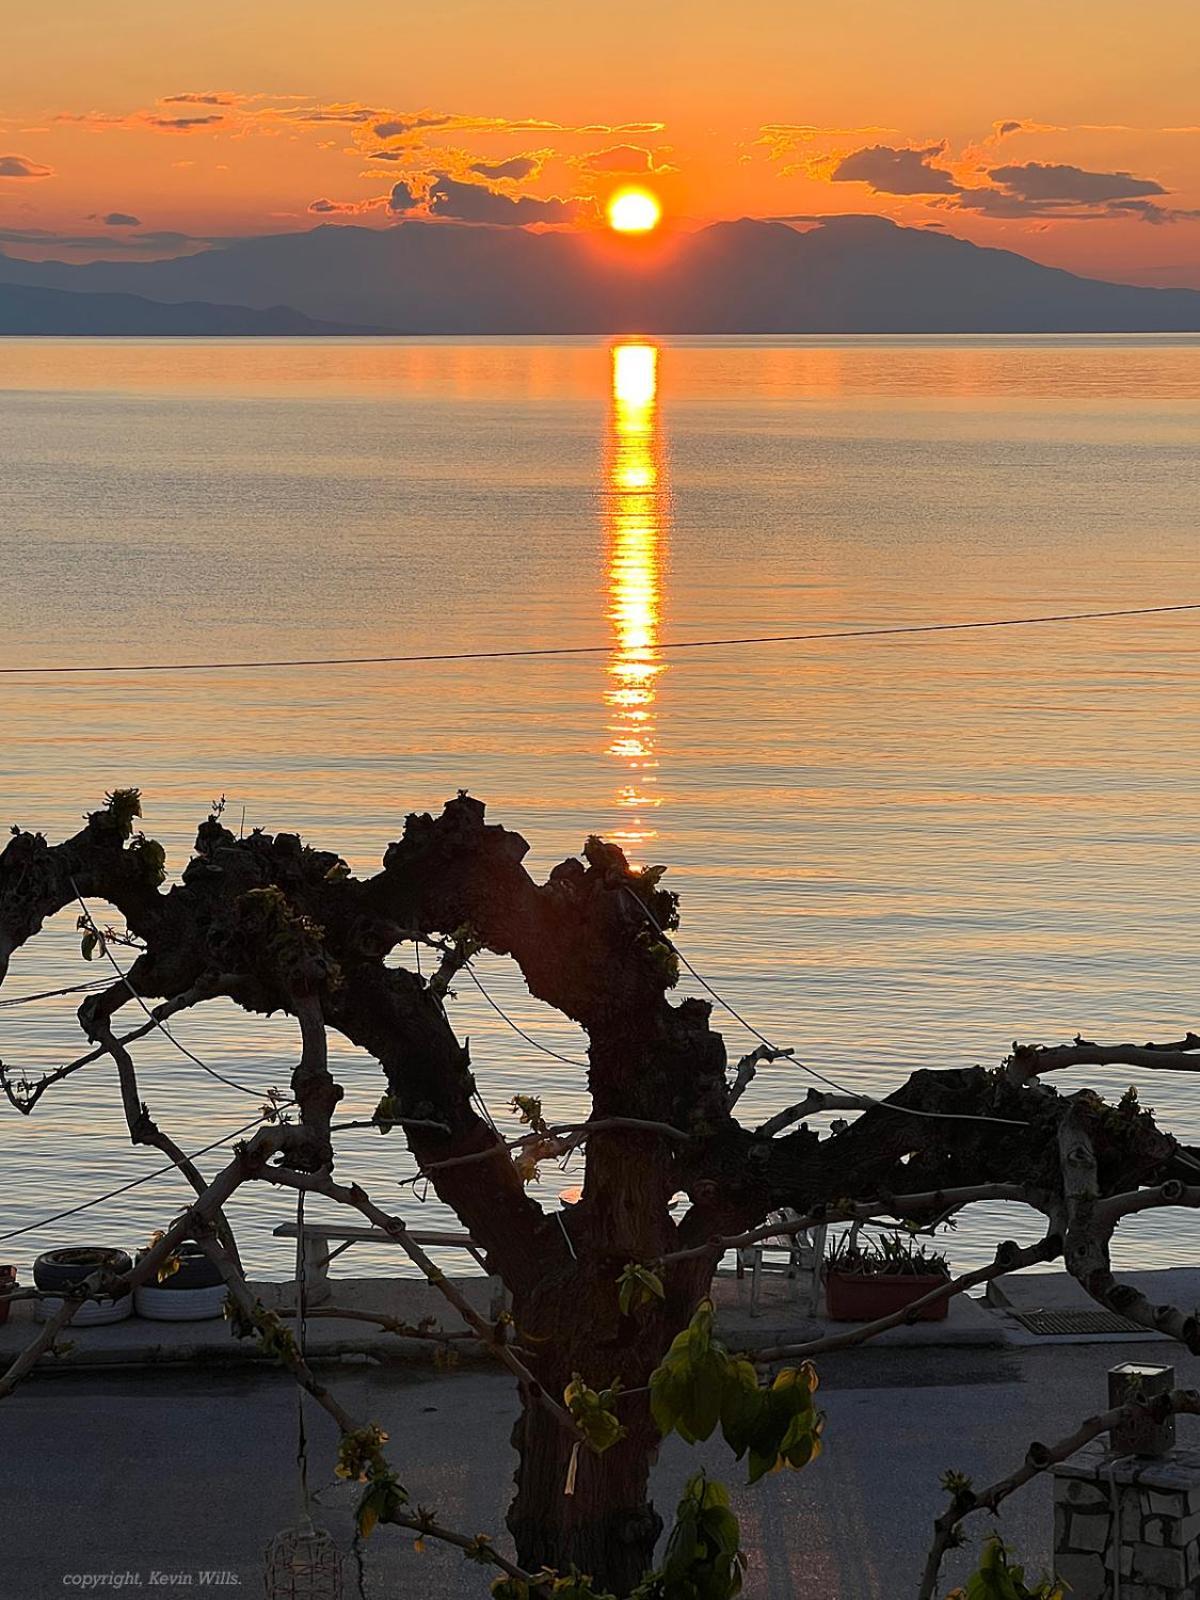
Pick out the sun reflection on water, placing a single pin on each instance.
(635, 528)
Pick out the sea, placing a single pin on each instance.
(892, 852)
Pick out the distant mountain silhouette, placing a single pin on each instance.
(25, 310)
(847, 275)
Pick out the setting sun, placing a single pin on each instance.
(634, 211)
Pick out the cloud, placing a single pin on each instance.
(116, 219)
(22, 167)
(630, 158)
(212, 98)
(1147, 211)
(397, 125)
(889, 170)
(516, 168)
(402, 198)
(184, 124)
(142, 119)
(1037, 180)
(473, 202)
(349, 114)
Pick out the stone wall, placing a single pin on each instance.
(1128, 1527)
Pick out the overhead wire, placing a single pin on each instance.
(134, 1183)
(831, 1083)
(51, 994)
(64, 669)
(256, 1094)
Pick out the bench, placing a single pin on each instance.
(317, 1237)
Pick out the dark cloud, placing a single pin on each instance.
(326, 207)
(1147, 211)
(896, 171)
(1038, 181)
(390, 155)
(473, 202)
(116, 219)
(402, 198)
(183, 124)
(516, 167)
(22, 167)
(345, 115)
(395, 127)
(209, 99)
(1003, 129)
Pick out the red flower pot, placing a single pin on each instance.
(8, 1280)
(864, 1296)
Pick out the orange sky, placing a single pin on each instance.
(232, 119)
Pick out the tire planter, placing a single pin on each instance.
(63, 1269)
(195, 1291)
(861, 1297)
(92, 1313)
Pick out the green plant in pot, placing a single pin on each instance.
(875, 1275)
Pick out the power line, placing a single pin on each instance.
(50, 994)
(86, 1205)
(517, 1028)
(886, 1105)
(255, 1094)
(595, 649)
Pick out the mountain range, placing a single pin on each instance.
(59, 312)
(841, 275)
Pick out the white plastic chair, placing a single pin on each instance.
(796, 1256)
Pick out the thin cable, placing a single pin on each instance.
(516, 1027)
(73, 1211)
(255, 1094)
(50, 994)
(596, 649)
(886, 1105)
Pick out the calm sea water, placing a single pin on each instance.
(891, 853)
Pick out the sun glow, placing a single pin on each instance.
(634, 211)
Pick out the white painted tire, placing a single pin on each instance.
(181, 1305)
(91, 1314)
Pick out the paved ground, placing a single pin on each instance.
(180, 1472)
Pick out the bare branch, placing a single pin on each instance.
(1032, 1060)
(814, 1101)
(747, 1069)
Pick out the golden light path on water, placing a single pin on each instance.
(635, 530)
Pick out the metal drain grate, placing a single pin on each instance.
(1076, 1322)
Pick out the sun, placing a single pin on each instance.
(634, 211)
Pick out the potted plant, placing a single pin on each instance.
(57, 1270)
(8, 1282)
(189, 1288)
(873, 1277)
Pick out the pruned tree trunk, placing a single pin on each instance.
(607, 1527)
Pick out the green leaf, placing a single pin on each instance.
(638, 1287)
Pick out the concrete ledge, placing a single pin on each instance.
(137, 1342)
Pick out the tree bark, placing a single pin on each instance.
(608, 1527)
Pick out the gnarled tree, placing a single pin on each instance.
(275, 925)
